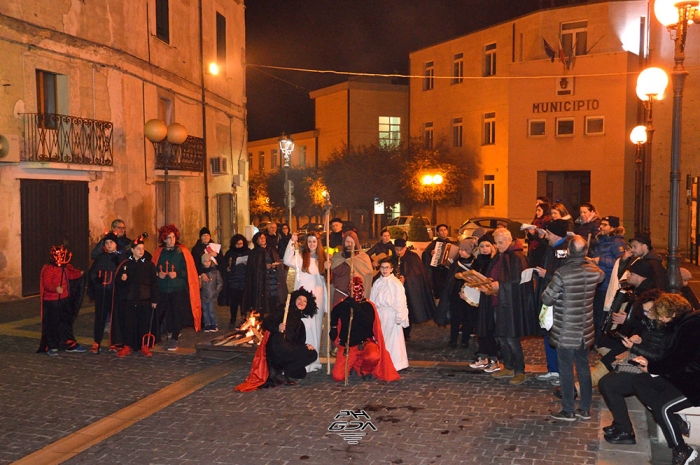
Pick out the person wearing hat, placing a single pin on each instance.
(452, 308)
(554, 256)
(357, 332)
(487, 347)
(611, 246)
(200, 248)
(137, 288)
(336, 235)
(640, 246)
(411, 272)
(101, 278)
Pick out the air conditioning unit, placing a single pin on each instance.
(219, 166)
(9, 148)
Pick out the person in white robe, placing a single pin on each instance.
(389, 297)
(305, 261)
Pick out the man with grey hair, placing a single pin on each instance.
(118, 228)
(571, 293)
(511, 303)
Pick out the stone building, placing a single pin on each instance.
(79, 82)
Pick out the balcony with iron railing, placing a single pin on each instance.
(56, 138)
(80, 141)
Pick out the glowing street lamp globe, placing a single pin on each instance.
(651, 82)
(639, 135)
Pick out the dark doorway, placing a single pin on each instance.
(53, 213)
(568, 187)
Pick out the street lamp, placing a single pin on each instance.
(433, 180)
(639, 138)
(675, 15)
(286, 148)
(651, 84)
(156, 131)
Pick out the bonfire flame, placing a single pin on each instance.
(248, 333)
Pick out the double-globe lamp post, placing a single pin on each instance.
(432, 180)
(676, 15)
(638, 137)
(286, 148)
(651, 84)
(156, 131)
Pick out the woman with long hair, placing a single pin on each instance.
(559, 212)
(308, 262)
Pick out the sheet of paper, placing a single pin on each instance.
(526, 275)
(243, 260)
(213, 247)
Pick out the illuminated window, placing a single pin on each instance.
(261, 161)
(457, 132)
(428, 135)
(536, 127)
(490, 60)
(458, 69)
(595, 125)
(565, 127)
(429, 79)
(389, 131)
(574, 36)
(489, 196)
(489, 128)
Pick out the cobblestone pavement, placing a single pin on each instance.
(444, 413)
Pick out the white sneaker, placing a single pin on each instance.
(481, 363)
(493, 367)
(548, 376)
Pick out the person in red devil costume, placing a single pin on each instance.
(178, 285)
(61, 290)
(358, 317)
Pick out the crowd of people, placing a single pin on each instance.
(597, 290)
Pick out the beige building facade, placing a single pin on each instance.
(536, 126)
(79, 82)
(533, 125)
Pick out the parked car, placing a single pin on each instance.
(304, 230)
(404, 223)
(489, 223)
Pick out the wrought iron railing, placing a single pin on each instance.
(50, 137)
(189, 156)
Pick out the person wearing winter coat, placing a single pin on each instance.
(571, 294)
(235, 262)
(611, 246)
(209, 292)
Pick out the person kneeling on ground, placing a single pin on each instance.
(356, 324)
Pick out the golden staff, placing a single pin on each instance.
(286, 311)
(347, 348)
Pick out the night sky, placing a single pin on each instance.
(371, 36)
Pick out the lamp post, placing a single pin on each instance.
(639, 138)
(286, 148)
(675, 15)
(651, 84)
(156, 131)
(432, 180)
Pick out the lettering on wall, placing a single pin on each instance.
(565, 106)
